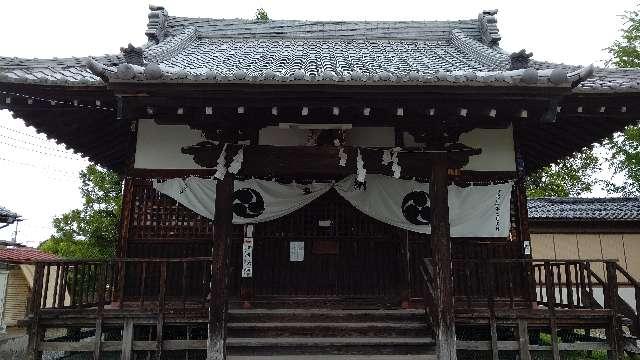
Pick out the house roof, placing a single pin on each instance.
(7, 216)
(428, 53)
(584, 209)
(24, 255)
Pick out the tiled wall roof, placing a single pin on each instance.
(592, 209)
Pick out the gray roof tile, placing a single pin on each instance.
(463, 52)
(584, 209)
(7, 215)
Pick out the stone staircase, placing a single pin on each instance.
(319, 334)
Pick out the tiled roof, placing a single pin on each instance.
(584, 209)
(68, 71)
(7, 215)
(451, 53)
(24, 255)
(463, 52)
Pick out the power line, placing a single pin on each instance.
(23, 133)
(40, 152)
(68, 173)
(43, 145)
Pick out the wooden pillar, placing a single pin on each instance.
(218, 294)
(614, 331)
(35, 331)
(100, 292)
(127, 340)
(441, 253)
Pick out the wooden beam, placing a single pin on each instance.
(100, 293)
(127, 340)
(218, 295)
(523, 336)
(36, 333)
(441, 252)
(282, 161)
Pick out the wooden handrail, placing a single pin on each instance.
(552, 261)
(628, 276)
(120, 282)
(102, 261)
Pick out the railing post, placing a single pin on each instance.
(35, 333)
(614, 331)
(161, 300)
(101, 287)
(549, 288)
(441, 250)
(218, 289)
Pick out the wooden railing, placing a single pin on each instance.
(429, 292)
(553, 284)
(544, 292)
(153, 284)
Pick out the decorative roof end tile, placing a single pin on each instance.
(488, 28)
(133, 55)
(157, 26)
(520, 60)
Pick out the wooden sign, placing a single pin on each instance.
(296, 251)
(325, 247)
(247, 258)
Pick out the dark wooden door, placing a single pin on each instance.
(346, 254)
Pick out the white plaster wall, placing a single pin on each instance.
(498, 152)
(158, 146)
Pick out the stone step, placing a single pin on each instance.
(330, 346)
(334, 329)
(333, 357)
(372, 341)
(323, 315)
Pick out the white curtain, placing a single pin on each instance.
(474, 211)
(254, 200)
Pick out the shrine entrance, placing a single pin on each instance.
(328, 249)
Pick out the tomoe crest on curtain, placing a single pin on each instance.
(247, 203)
(416, 208)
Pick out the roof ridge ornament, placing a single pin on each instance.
(520, 60)
(489, 33)
(133, 55)
(157, 26)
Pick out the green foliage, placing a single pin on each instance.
(626, 51)
(625, 146)
(625, 159)
(572, 176)
(261, 14)
(91, 231)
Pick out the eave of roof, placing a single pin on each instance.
(24, 255)
(7, 216)
(584, 209)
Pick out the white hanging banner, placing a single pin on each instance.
(254, 200)
(474, 211)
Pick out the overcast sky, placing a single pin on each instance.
(38, 179)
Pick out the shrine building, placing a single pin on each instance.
(344, 189)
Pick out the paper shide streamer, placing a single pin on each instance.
(361, 174)
(221, 168)
(236, 164)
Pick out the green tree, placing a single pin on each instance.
(572, 176)
(625, 52)
(625, 146)
(91, 231)
(262, 15)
